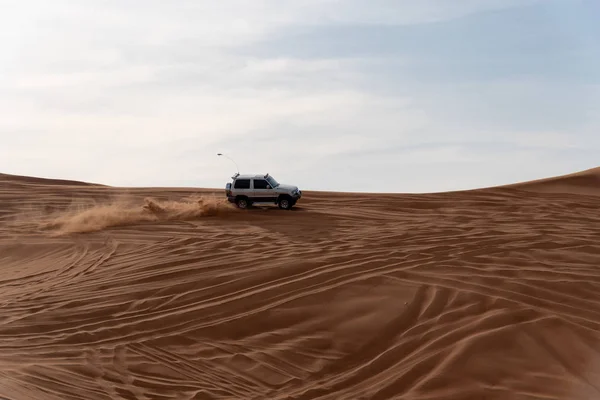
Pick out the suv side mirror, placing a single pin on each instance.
(268, 186)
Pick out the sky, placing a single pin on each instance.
(352, 95)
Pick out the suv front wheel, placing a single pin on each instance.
(285, 203)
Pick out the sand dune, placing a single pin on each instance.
(113, 293)
(585, 182)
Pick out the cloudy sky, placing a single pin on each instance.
(358, 95)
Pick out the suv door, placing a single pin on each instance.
(263, 191)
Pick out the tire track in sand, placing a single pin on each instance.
(486, 294)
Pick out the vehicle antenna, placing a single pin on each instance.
(236, 166)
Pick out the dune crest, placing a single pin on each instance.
(584, 182)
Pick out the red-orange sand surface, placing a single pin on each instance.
(116, 293)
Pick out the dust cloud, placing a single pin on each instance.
(92, 218)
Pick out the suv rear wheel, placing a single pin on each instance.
(242, 202)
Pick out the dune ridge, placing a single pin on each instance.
(24, 180)
(120, 293)
(585, 182)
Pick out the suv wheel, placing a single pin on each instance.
(285, 203)
(242, 202)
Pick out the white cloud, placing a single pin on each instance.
(95, 79)
(396, 11)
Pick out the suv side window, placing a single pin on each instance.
(260, 184)
(242, 184)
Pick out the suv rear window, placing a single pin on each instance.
(242, 184)
(260, 184)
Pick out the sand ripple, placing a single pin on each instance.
(491, 294)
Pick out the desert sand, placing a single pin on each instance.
(122, 293)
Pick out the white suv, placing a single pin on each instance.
(246, 190)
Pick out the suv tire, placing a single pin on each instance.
(242, 202)
(285, 203)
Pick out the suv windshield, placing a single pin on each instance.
(272, 182)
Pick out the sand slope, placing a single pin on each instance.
(111, 293)
(584, 182)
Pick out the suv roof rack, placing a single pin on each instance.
(236, 175)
